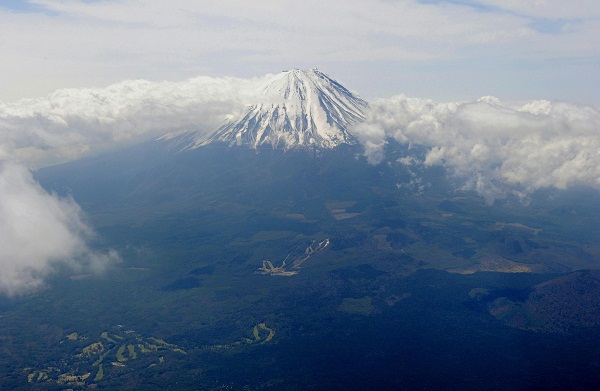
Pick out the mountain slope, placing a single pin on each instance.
(296, 109)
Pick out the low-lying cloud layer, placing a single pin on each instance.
(494, 146)
(71, 123)
(39, 231)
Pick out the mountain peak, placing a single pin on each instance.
(295, 109)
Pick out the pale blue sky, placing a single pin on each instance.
(438, 49)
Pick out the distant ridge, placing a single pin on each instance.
(297, 109)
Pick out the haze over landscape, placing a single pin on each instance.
(446, 144)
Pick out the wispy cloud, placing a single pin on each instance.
(39, 231)
(87, 43)
(547, 9)
(495, 147)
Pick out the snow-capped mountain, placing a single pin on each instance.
(296, 109)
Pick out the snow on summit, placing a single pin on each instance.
(296, 109)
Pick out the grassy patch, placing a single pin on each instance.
(132, 352)
(100, 373)
(120, 352)
(362, 306)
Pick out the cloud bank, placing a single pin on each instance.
(496, 147)
(38, 232)
(70, 123)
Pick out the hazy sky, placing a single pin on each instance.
(438, 49)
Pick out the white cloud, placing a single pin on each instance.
(72, 122)
(495, 147)
(91, 43)
(551, 9)
(39, 231)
